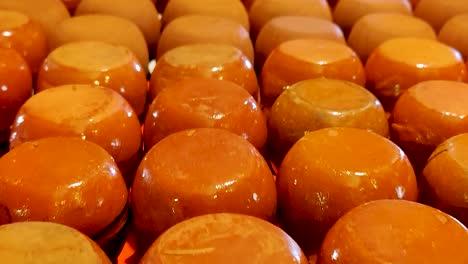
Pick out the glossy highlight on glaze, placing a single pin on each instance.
(19, 32)
(200, 171)
(372, 30)
(63, 180)
(216, 238)
(15, 88)
(192, 29)
(428, 114)
(93, 113)
(400, 63)
(319, 103)
(330, 171)
(98, 63)
(303, 59)
(196, 103)
(284, 28)
(445, 178)
(395, 231)
(204, 60)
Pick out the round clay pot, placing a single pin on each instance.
(428, 114)
(105, 28)
(397, 232)
(320, 103)
(26, 36)
(372, 30)
(304, 59)
(89, 112)
(196, 172)
(216, 61)
(42, 242)
(65, 180)
(15, 88)
(193, 29)
(400, 63)
(98, 63)
(218, 238)
(197, 103)
(330, 171)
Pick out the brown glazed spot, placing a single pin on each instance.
(5, 217)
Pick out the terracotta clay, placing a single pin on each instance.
(15, 88)
(427, 115)
(63, 180)
(284, 28)
(221, 238)
(141, 12)
(263, 11)
(192, 29)
(231, 9)
(446, 180)
(98, 63)
(42, 242)
(437, 12)
(105, 28)
(303, 59)
(400, 63)
(55, 9)
(195, 103)
(395, 232)
(196, 172)
(330, 171)
(372, 30)
(89, 112)
(453, 33)
(319, 103)
(216, 61)
(26, 36)
(347, 12)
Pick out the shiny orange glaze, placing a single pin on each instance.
(106, 28)
(263, 11)
(400, 63)
(141, 12)
(391, 231)
(437, 12)
(303, 59)
(93, 113)
(192, 29)
(96, 63)
(428, 114)
(19, 32)
(43, 242)
(374, 29)
(217, 61)
(453, 33)
(48, 13)
(231, 9)
(347, 12)
(63, 180)
(200, 171)
(15, 88)
(319, 103)
(330, 171)
(285, 28)
(446, 178)
(224, 238)
(198, 103)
